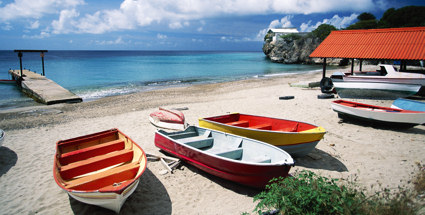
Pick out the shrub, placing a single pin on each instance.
(308, 193)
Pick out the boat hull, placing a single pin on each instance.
(297, 144)
(101, 169)
(374, 90)
(111, 201)
(378, 115)
(240, 171)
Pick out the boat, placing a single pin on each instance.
(296, 138)
(374, 90)
(376, 114)
(408, 104)
(168, 119)
(2, 134)
(242, 160)
(387, 74)
(101, 169)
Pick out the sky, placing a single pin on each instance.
(231, 25)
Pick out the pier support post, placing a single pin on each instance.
(20, 62)
(42, 62)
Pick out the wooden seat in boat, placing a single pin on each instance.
(95, 163)
(199, 143)
(106, 178)
(235, 154)
(241, 123)
(262, 127)
(96, 150)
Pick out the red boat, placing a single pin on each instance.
(168, 118)
(235, 158)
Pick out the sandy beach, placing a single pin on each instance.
(370, 156)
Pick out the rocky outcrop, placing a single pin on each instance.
(295, 51)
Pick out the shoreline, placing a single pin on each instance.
(369, 156)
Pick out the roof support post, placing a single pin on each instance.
(352, 66)
(361, 61)
(324, 68)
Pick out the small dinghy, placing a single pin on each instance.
(379, 115)
(235, 158)
(101, 169)
(296, 138)
(168, 119)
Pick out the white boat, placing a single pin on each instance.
(363, 89)
(387, 74)
(168, 119)
(377, 114)
(1, 137)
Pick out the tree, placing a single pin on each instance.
(323, 31)
(366, 16)
(366, 21)
(410, 16)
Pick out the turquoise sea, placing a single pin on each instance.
(97, 74)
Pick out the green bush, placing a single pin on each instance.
(290, 37)
(308, 193)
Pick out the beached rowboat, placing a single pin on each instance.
(168, 118)
(296, 138)
(364, 89)
(377, 114)
(387, 74)
(102, 169)
(235, 158)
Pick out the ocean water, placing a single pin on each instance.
(96, 74)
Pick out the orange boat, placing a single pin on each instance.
(102, 169)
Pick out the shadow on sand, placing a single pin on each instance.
(150, 197)
(8, 159)
(235, 187)
(318, 159)
(418, 129)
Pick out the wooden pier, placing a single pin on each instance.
(42, 89)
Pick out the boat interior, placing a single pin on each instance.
(102, 161)
(224, 145)
(262, 123)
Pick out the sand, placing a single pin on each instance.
(370, 156)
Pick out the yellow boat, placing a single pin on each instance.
(297, 138)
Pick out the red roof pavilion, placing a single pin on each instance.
(386, 44)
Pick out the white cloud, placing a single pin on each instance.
(34, 8)
(338, 22)
(118, 41)
(42, 35)
(34, 25)
(161, 36)
(178, 14)
(285, 22)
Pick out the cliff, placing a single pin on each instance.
(295, 51)
(291, 52)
